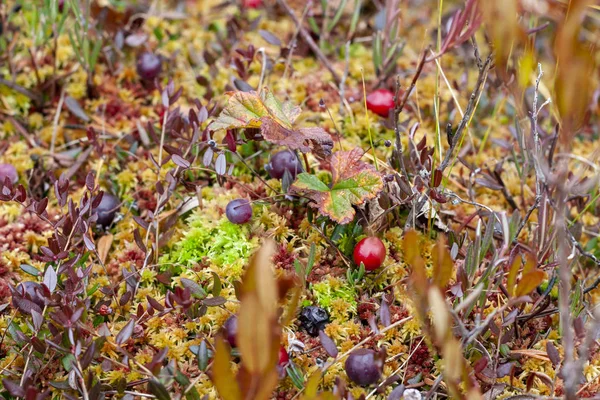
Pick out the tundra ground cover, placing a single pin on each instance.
(290, 199)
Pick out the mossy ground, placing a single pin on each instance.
(204, 243)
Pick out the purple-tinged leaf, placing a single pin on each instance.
(40, 206)
(141, 222)
(397, 393)
(182, 162)
(75, 108)
(553, 354)
(328, 344)
(138, 240)
(269, 37)
(208, 157)
(88, 356)
(221, 164)
(136, 39)
(125, 333)
(38, 345)
(38, 319)
(125, 298)
(90, 181)
(214, 301)
(155, 304)
(25, 306)
(165, 99)
(89, 243)
(13, 388)
(50, 279)
(202, 114)
(384, 313)
(504, 369)
(195, 289)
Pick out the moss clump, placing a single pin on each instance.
(335, 296)
(222, 243)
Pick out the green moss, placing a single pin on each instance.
(223, 243)
(331, 289)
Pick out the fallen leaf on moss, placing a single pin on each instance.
(353, 182)
(275, 120)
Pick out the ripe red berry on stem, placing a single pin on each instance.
(284, 357)
(381, 101)
(252, 3)
(371, 252)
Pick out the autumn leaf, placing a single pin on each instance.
(529, 282)
(275, 120)
(222, 375)
(442, 264)
(353, 182)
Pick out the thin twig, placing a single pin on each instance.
(55, 123)
(456, 138)
(309, 40)
(38, 99)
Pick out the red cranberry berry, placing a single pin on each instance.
(381, 101)
(364, 366)
(283, 362)
(371, 252)
(252, 3)
(284, 357)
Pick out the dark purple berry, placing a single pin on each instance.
(283, 161)
(27, 296)
(10, 172)
(239, 211)
(230, 330)
(148, 66)
(364, 366)
(313, 319)
(107, 209)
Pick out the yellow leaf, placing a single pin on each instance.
(222, 375)
(529, 282)
(104, 244)
(410, 246)
(292, 306)
(512, 275)
(453, 361)
(268, 383)
(439, 312)
(442, 264)
(312, 385)
(530, 263)
(412, 257)
(255, 335)
(260, 278)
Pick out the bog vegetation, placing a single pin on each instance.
(256, 199)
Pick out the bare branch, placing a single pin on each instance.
(468, 112)
(309, 40)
